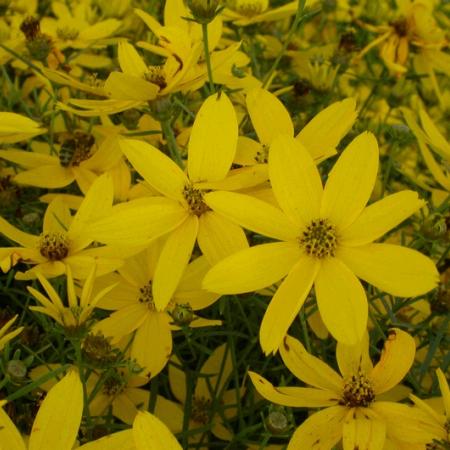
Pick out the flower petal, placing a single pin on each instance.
(286, 303)
(218, 237)
(51, 177)
(394, 269)
(342, 301)
(351, 181)
(268, 115)
(445, 391)
(253, 214)
(155, 167)
(380, 217)
(320, 431)
(296, 397)
(353, 358)
(173, 260)
(213, 140)
(122, 440)
(308, 368)
(16, 235)
(59, 417)
(151, 434)
(363, 431)
(396, 359)
(9, 433)
(295, 180)
(322, 134)
(252, 269)
(130, 61)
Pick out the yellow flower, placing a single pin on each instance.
(135, 311)
(5, 337)
(77, 159)
(183, 211)
(63, 242)
(441, 421)
(354, 411)
(15, 128)
(270, 118)
(74, 315)
(327, 236)
(210, 388)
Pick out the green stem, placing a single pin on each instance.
(171, 142)
(298, 19)
(207, 57)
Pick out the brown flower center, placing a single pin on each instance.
(319, 239)
(194, 198)
(358, 391)
(156, 75)
(200, 410)
(54, 246)
(146, 296)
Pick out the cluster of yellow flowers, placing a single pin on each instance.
(168, 166)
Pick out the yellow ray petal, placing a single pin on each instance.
(353, 358)
(342, 301)
(121, 86)
(130, 61)
(308, 368)
(286, 303)
(396, 359)
(155, 167)
(435, 136)
(323, 133)
(58, 419)
(364, 431)
(9, 435)
(173, 260)
(151, 434)
(16, 235)
(397, 270)
(219, 237)
(253, 214)
(406, 423)
(29, 159)
(320, 431)
(50, 176)
(351, 181)
(292, 396)
(15, 128)
(123, 440)
(128, 225)
(154, 357)
(252, 269)
(57, 217)
(380, 217)
(445, 391)
(177, 380)
(295, 180)
(213, 140)
(269, 116)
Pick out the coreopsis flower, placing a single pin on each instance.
(428, 136)
(209, 388)
(441, 421)
(186, 216)
(412, 27)
(6, 336)
(63, 242)
(269, 117)
(327, 239)
(75, 314)
(15, 128)
(77, 158)
(134, 308)
(354, 411)
(76, 26)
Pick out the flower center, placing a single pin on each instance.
(114, 385)
(146, 296)
(194, 198)
(200, 410)
(76, 149)
(319, 239)
(248, 8)
(156, 75)
(54, 246)
(358, 391)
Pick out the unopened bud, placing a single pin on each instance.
(16, 369)
(277, 421)
(182, 314)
